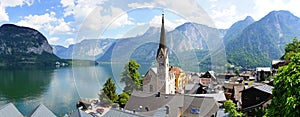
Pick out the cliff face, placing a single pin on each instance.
(24, 45)
(16, 39)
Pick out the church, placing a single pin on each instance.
(163, 77)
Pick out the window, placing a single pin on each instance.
(151, 88)
(195, 110)
(167, 109)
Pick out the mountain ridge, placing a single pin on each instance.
(263, 40)
(24, 45)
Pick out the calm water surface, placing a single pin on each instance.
(59, 89)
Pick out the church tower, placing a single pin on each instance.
(163, 62)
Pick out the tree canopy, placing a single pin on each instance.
(108, 94)
(123, 98)
(291, 49)
(231, 108)
(131, 77)
(286, 92)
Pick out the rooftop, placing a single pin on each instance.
(9, 110)
(144, 104)
(41, 111)
(265, 88)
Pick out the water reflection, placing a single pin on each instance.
(27, 88)
(58, 89)
(24, 84)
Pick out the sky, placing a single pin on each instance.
(66, 22)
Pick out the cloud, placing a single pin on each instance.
(225, 13)
(3, 15)
(80, 8)
(188, 9)
(11, 3)
(141, 5)
(169, 25)
(100, 19)
(47, 22)
(262, 7)
(53, 40)
(69, 41)
(231, 11)
(122, 20)
(223, 17)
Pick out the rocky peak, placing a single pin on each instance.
(16, 39)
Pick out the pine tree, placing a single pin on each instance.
(131, 77)
(108, 94)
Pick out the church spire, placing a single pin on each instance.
(163, 43)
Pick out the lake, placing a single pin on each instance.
(59, 88)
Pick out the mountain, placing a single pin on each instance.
(188, 44)
(237, 28)
(23, 45)
(61, 51)
(263, 40)
(88, 49)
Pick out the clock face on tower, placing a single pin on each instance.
(160, 59)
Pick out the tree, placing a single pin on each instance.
(231, 108)
(237, 72)
(123, 98)
(286, 99)
(291, 49)
(108, 94)
(131, 77)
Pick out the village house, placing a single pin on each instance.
(262, 73)
(172, 105)
(276, 64)
(180, 79)
(256, 96)
(207, 78)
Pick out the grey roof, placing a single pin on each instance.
(263, 69)
(207, 106)
(277, 61)
(120, 113)
(79, 113)
(41, 111)
(9, 110)
(191, 88)
(139, 103)
(265, 88)
(220, 97)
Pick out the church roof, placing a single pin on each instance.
(162, 43)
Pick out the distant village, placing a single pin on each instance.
(170, 91)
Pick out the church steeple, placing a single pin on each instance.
(162, 44)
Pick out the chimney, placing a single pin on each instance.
(158, 94)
